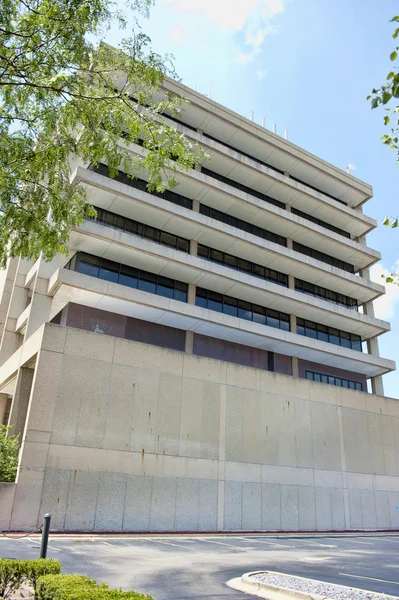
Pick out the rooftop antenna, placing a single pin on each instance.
(263, 122)
(274, 128)
(350, 168)
(286, 134)
(251, 115)
(209, 92)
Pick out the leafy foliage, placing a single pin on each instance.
(388, 94)
(10, 576)
(62, 96)
(78, 587)
(9, 447)
(13, 573)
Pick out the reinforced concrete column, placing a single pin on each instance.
(192, 288)
(377, 385)
(20, 401)
(3, 408)
(294, 359)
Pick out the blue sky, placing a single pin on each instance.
(306, 65)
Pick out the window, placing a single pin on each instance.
(241, 309)
(145, 231)
(304, 215)
(242, 187)
(330, 260)
(243, 225)
(129, 276)
(332, 380)
(239, 264)
(328, 334)
(140, 184)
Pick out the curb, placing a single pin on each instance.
(246, 584)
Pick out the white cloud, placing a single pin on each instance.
(261, 73)
(251, 17)
(386, 306)
(177, 35)
(243, 59)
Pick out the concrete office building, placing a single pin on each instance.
(200, 360)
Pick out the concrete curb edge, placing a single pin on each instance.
(272, 592)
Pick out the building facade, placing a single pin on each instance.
(205, 359)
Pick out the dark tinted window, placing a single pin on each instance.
(242, 309)
(332, 380)
(328, 334)
(233, 262)
(129, 276)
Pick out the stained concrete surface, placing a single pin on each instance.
(179, 567)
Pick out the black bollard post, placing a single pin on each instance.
(45, 532)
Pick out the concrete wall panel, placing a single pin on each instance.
(150, 439)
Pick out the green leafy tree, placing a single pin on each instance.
(63, 94)
(388, 97)
(9, 447)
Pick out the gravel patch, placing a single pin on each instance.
(311, 586)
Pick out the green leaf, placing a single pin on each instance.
(393, 55)
(395, 91)
(390, 75)
(375, 102)
(386, 96)
(395, 224)
(386, 120)
(388, 279)
(396, 18)
(385, 221)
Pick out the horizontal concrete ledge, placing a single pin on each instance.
(211, 110)
(115, 245)
(70, 286)
(112, 195)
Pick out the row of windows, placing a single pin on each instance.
(129, 276)
(243, 188)
(328, 334)
(170, 288)
(240, 264)
(317, 190)
(330, 260)
(242, 309)
(324, 224)
(243, 225)
(338, 381)
(211, 137)
(145, 231)
(225, 218)
(324, 294)
(140, 184)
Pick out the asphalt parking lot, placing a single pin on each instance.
(177, 567)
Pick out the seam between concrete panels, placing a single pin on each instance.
(344, 477)
(83, 381)
(108, 399)
(201, 444)
(222, 458)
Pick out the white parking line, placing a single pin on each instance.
(260, 541)
(370, 578)
(352, 541)
(222, 544)
(170, 544)
(39, 544)
(317, 544)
